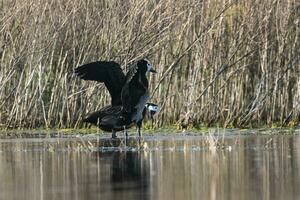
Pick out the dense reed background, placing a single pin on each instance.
(232, 63)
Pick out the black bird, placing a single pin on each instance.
(151, 109)
(129, 93)
(110, 118)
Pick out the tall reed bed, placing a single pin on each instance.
(227, 62)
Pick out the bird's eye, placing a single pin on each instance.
(149, 66)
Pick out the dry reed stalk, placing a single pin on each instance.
(226, 62)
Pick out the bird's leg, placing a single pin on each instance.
(139, 125)
(152, 121)
(125, 131)
(139, 131)
(113, 135)
(126, 135)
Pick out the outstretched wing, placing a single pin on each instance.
(126, 97)
(108, 72)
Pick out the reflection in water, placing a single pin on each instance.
(129, 174)
(254, 167)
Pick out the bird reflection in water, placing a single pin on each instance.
(129, 173)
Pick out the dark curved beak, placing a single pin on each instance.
(152, 70)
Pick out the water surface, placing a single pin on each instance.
(225, 166)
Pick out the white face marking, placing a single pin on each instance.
(149, 66)
(153, 108)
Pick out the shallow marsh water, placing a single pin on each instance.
(226, 165)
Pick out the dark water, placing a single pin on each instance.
(238, 166)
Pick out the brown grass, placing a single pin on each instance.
(226, 62)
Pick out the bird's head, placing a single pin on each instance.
(144, 65)
(152, 108)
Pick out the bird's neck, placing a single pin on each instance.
(143, 81)
(140, 81)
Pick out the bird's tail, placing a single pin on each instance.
(93, 118)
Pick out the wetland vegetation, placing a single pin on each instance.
(221, 62)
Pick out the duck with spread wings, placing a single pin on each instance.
(129, 93)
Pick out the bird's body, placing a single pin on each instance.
(129, 93)
(137, 114)
(107, 118)
(110, 118)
